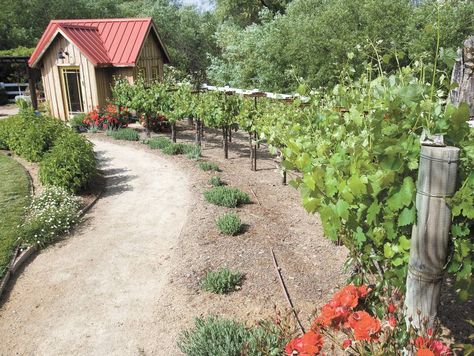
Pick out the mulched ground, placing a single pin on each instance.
(311, 265)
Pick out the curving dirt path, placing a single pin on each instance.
(96, 293)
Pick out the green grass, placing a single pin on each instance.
(229, 224)
(127, 134)
(14, 197)
(221, 281)
(226, 196)
(209, 166)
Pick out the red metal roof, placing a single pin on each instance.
(105, 42)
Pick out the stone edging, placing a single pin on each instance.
(20, 257)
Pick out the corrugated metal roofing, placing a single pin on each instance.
(114, 42)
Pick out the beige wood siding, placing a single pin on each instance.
(150, 61)
(50, 71)
(104, 81)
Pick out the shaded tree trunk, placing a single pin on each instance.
(198, 132)
(225, 141)
(173, 132)
(147, 120)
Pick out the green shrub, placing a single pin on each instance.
(216, 181)
(221, 281)
(30, 136)
(76, 122)
(192, 151)
(126, 134)
(70, 164)
(159, 143)
(50, 215)
(215, 336)
(225, 196)
(209, 166)
(173, 149)
(229, 224)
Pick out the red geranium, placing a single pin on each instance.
(365, 326)
(310, 344)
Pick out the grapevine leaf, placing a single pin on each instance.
(372, 212)
(342, 209)
(407, 216)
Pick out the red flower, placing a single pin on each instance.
(424, 352)
(310, 344)
(332, 315)
(392, 321)
(347, 343)
(436, 347)
(365, 326)
(349, 296)
(391, 308)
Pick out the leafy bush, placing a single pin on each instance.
(221, 281)
(225, 196)
(77, 122)
(70, 164)
(126, 134)
(215, 336)
(49, 216)
(229, 224)
(216, 181)
(174, 149)
(159, 143)
(192, 151)
(209, 166)
(29, 135)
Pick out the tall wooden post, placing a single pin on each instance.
(429, 241)
(463, 75)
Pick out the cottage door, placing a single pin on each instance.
(72, 93)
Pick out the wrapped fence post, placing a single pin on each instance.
(429, 242)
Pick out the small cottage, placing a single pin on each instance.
(79, 59)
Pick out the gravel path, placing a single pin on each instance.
(97, 292)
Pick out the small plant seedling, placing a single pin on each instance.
(216, 181)
(229, 224)
(221, 281)
(209, 166)
(226, 196)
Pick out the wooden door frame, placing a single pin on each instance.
(66, 100)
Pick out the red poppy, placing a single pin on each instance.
(391, 308)
(392, 321)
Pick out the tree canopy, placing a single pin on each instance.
(275, 45)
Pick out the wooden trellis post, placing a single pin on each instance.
(429, 241)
